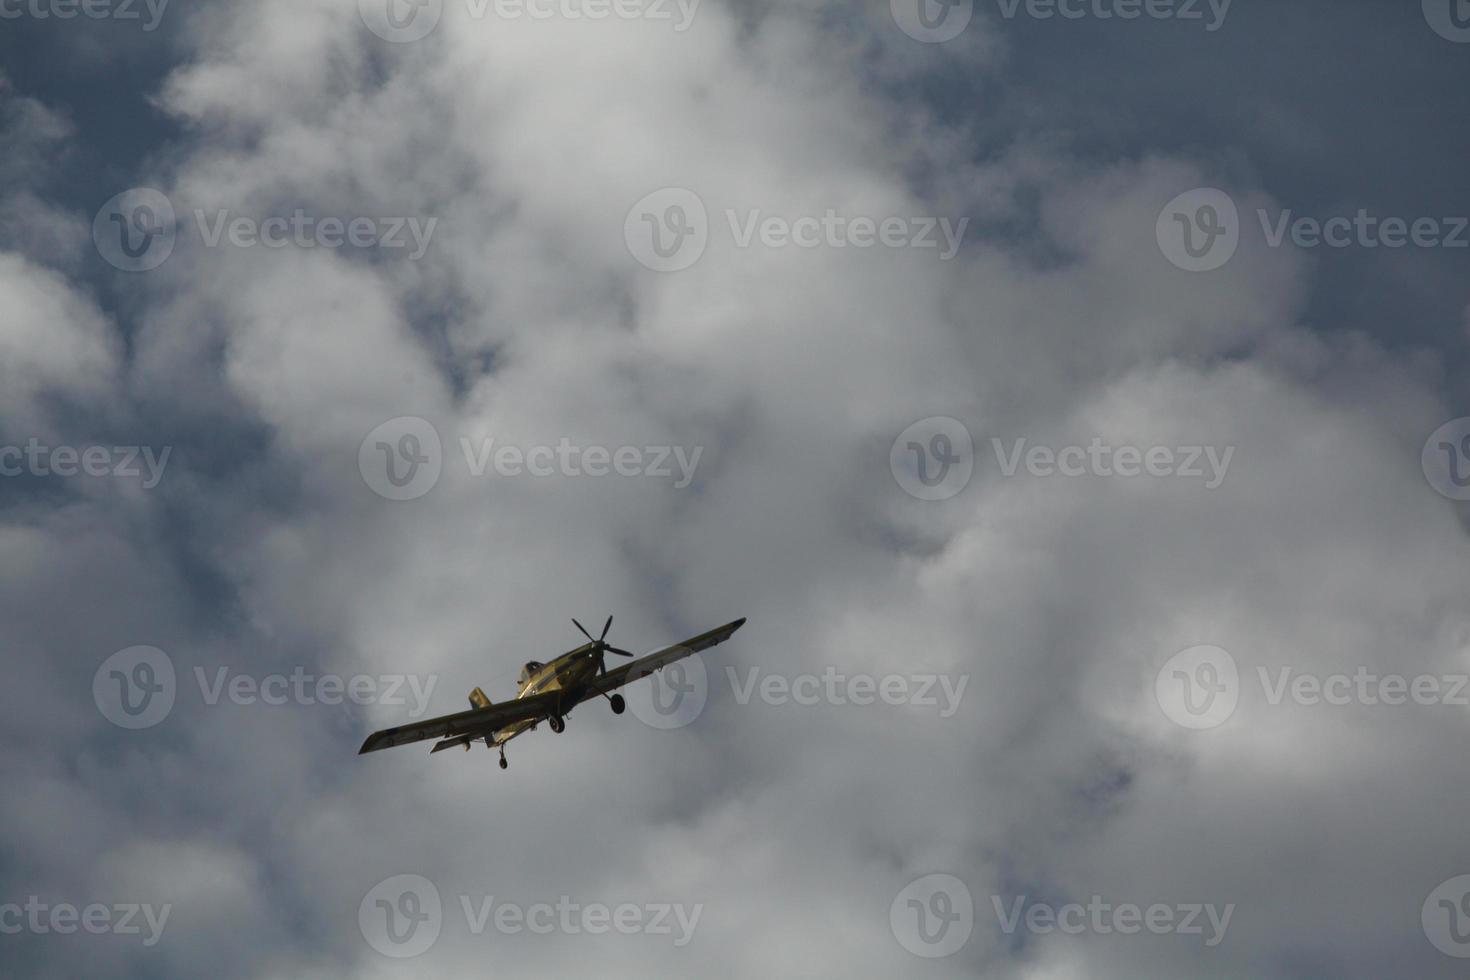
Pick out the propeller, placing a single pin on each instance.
(600, 646)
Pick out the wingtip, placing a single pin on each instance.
(372, 743)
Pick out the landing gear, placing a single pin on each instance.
(618, 704)
(558, 723)
(503, 763)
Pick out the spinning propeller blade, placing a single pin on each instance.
(600, 646)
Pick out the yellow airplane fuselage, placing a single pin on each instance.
(568, 672)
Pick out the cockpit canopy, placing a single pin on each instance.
(530, 668)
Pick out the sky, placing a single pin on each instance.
(1069, 393)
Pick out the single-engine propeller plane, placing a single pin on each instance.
(548, 692)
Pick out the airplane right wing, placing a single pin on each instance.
(658, 659)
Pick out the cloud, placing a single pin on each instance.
(530, 320)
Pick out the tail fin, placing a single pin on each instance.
(478, 699)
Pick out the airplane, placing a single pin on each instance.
(548, 692)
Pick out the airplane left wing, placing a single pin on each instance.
(658, 659)
(476, 721)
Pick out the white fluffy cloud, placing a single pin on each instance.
(528, 320)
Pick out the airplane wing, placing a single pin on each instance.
(476, 720)
(658, 659)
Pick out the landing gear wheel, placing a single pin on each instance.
(618, 704)
(503, 763)
(558, 724)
